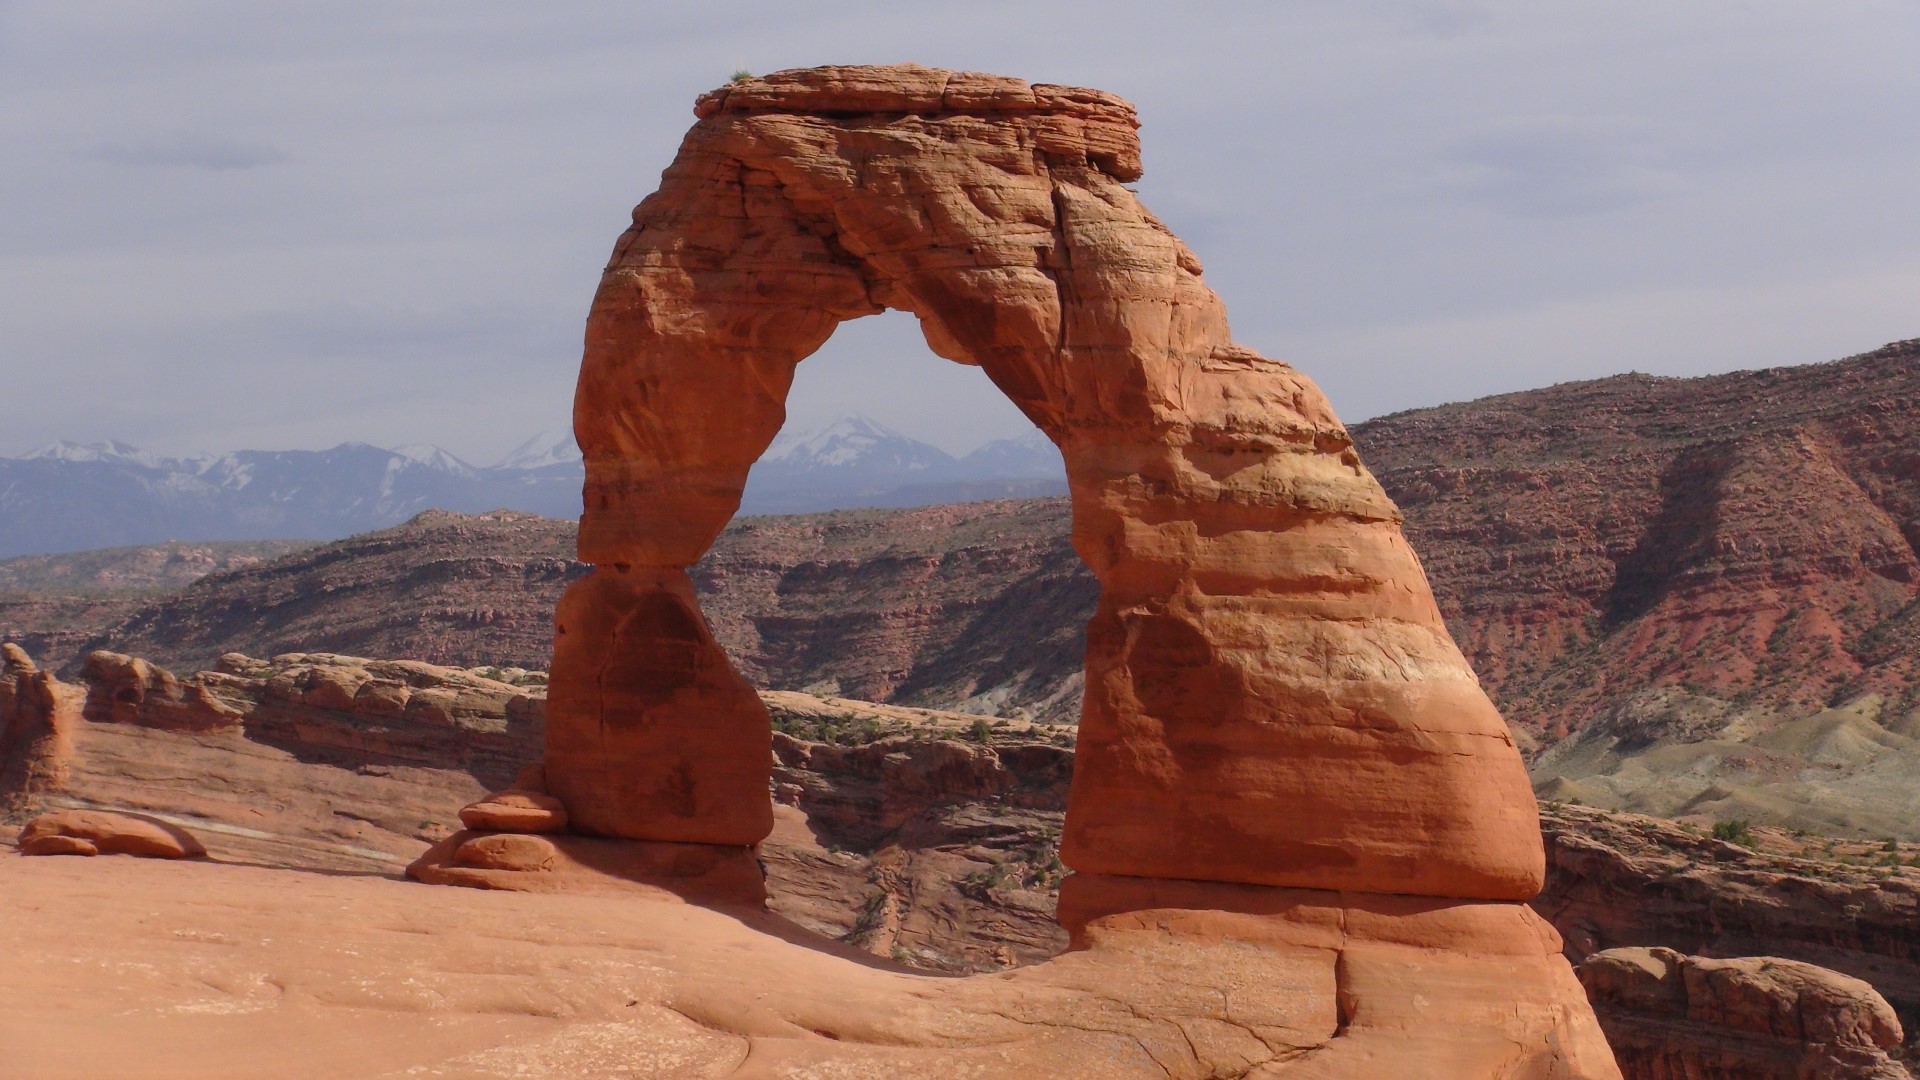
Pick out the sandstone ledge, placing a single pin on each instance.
(710, 874)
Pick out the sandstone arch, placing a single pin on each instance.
(1272, 698)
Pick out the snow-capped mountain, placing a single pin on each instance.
(112, 450)
(434, 458)
(70, 497)
(858, 462)
(1029, 457)
(73, 496)
(543, 451)
(854, 443)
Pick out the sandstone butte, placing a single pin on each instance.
(1283, 756)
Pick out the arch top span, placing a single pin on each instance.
(1272, 697)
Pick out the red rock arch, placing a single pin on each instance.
(1271, 696)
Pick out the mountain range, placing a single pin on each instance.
(75, 497)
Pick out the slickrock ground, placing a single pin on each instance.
(924, 841)
(252, 969)
(308, 760)
(146, 970)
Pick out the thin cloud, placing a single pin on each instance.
(1415, 200)
(189, 150)
(1557, 166)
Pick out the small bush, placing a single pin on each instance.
(741, 75)
(981, 731)
(872, 914)
(1736, 831)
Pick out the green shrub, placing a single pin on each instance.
(1736, 831)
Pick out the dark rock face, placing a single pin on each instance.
(982, 604)
(1749, 535)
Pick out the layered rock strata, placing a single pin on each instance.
(1276, 722)
(312, 760)
(1625, 880)
(329, 707)
(1748, 1018)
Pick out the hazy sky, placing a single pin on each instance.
(284, 225)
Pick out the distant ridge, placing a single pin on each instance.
(82, 496)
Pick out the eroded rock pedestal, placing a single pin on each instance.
(37, 717)
(1276, 724)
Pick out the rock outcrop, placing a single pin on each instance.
(101, 832)
(308, 759)
(1750, 1018)
(326, 705)
(38, 714)
(129, 690)
(1625, 880)
(1276, 723)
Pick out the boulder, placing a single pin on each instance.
(1748, 1018)
(514, 811)
(58, 844)
(110, 833)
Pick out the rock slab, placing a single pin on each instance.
(107, 833)
(516, 811)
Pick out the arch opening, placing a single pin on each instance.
(870, 422)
